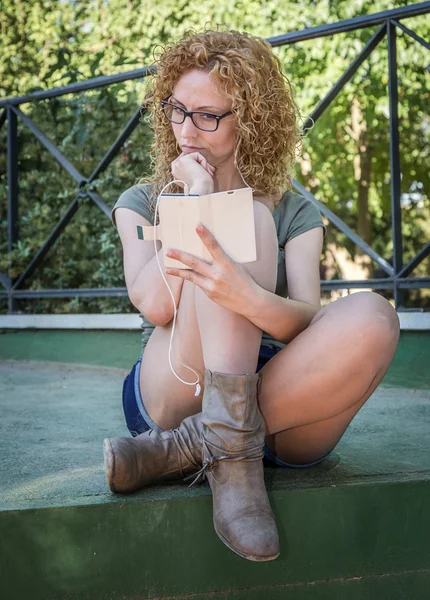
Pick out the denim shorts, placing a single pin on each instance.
(138, 420)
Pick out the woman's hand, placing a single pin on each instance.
(194, 169)
(225, 281)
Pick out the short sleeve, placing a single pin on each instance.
(301, 215)
(135, 198)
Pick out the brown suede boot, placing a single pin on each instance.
(133, 463)
(232, 452)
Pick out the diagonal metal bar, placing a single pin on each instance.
(395, 167)
(53, 236)
(347, 75)
(113, 150)
(361, 22)
(345, 229)
(2, 118)
(97, 199)
(74, 88)
(64, 162)
(415, 261)
(411, 33)
(5, 280)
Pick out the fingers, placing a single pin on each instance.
(206, 165)
(211, 169)
(200, 159)
(193, 168)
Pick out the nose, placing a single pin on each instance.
(188, 128)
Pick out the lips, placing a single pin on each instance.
(190, 148)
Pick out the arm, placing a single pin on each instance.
(150, 292)
(285, 318)
(280, 317)
(146, 288)
(156, 292)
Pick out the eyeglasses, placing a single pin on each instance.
(202, 120)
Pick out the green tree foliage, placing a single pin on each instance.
(345, 158)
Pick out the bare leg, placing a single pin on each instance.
(233, 428)
(314, 387)
(310, 391)
(167, 400)
(231, 342)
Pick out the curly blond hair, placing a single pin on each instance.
(251, 75)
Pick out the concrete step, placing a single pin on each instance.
(355, 526)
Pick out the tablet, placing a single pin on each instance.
(228, 215)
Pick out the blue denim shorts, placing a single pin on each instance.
(138, 420)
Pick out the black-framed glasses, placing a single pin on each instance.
(202, 120)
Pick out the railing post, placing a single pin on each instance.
(12, 191)
(395, 169)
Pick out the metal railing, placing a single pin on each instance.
(397, 274)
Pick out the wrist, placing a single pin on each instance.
(255, 302)
(202, 188)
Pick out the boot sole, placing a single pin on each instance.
(109, 460)
(242, 554)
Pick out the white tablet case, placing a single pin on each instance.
(228, 215)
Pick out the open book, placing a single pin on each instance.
(228, 215)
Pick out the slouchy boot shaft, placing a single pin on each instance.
(152, 456)
(232, 451)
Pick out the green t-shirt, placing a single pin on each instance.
(294, 215)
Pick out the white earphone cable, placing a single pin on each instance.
(186, 192)
(196, 383)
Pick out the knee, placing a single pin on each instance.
(376, 319)
(378, 309)
(266, 236)
(264, 270)
(363, 316)
(263, 218)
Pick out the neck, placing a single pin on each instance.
(227, 177)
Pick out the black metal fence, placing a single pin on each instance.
(397, 274)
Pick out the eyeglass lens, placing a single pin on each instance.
(203, 121)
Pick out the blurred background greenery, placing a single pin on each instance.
(345, 157)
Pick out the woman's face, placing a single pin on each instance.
(196, 90)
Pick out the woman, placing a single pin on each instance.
(282, 377)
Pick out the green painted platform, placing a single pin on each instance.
(356, 526)
(409, 368)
